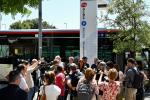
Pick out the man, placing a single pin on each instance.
(72, 81)
(129, 78)
(83, 64)
(59, 61)
(28, 78)
(13, 91)
(86, 65)
(67, 68)
(94, 66)
(54, 65)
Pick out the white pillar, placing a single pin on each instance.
(88, 30)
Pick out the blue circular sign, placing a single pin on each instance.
(83, 23)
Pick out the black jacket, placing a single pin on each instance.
(12, 92)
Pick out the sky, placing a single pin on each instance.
(60, 13)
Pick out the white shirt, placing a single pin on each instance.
(23, 85)
(52, 92)
(61, 64)
(29, 78)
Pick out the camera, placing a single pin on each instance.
(44, 66)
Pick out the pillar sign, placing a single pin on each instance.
(88, 29)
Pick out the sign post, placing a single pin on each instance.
(88, 30)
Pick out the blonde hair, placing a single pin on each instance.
(89, 74)
(112, 74)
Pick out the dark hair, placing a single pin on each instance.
(110, 64)
(20, 67)
(50, 77)
(55, 61)
(116, 66)
(84, 58)
(59, 68)
(13, 76)
(73, 66)
(140, 65)
(131, 60)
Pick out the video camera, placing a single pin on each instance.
(45, 66)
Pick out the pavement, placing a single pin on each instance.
(147, 96)
(35, 96)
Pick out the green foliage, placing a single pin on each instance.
(134, 33)
(17, 6)
(30, 24)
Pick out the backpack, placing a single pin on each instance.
(138, 79)
(85, 91)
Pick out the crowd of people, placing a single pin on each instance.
(75, 81)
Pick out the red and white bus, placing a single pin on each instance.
(24, 43)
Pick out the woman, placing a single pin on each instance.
(120, 78)
(23, 72)
(110, 89)
(87, 86)
(60, 81)
(49, 88)
(101, 68)
(140, 90)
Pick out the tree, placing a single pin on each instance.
(30, 24)
(134, 33)
(16, 25)
(17, 6)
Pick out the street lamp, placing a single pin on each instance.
(65, 25)
(102, 7)
(102, 4)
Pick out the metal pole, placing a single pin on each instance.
(40, 31)
(0, 21)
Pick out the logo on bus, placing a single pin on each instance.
(84, 4)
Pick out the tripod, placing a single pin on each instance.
(39, 84)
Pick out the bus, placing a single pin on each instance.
(23, 44)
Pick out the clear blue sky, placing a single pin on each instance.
(56, 12)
